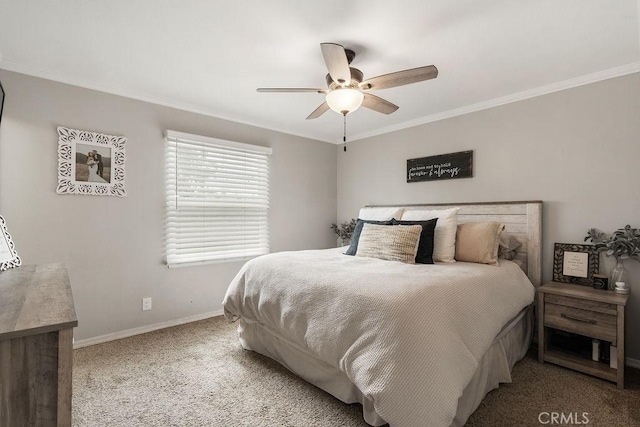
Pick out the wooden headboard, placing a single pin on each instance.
(523, 220)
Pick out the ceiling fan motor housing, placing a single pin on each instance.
(356, 77)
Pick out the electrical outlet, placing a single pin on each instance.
(146, 304)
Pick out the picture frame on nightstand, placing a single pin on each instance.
(575, 263)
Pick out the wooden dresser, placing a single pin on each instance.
(585, 311)
(37, 317)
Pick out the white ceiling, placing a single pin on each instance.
(210, 56)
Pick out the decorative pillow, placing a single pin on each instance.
(390, 242)
(380, 214)
(425, 247)
(509, 245)
(478, 242)
(444, 241)
(355, 237)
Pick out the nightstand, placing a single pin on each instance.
(584, 311)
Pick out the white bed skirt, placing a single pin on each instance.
(494, 367)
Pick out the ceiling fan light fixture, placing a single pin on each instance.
(345, 100)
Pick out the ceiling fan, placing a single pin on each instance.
(347, 89)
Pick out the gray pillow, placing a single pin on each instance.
(509, 245)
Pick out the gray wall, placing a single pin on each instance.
(113, 247)
(577, 150)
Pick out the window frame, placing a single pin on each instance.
(172, 196)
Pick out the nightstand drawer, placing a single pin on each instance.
(585, 322)
(600, 307)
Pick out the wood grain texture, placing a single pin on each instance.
(37, 317)
(534, 243)
(28, 374)
(541, 330)
(582, 322)
(600, 307)
(65, 364)
(589, 312)
(35, 299)
(621, 352)
(584, 292)
(378, 104)
(401, 78)
(587, 366)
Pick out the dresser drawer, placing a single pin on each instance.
(587, 321)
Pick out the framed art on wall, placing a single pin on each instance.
(8, 256)
(574, 263)
(90, 163)
(440, 167)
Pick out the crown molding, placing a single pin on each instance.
(610, 73)
(132, 94)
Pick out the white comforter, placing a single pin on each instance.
(408, 336)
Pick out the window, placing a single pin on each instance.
(217, 200)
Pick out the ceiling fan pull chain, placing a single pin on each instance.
(344, 135)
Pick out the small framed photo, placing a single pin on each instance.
(90, 163)
(8, 256)
(574, 263)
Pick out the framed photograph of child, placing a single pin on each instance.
(90, 163)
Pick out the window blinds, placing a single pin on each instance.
(217, 200)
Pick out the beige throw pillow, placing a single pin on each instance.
(478, 242)
(390, 242)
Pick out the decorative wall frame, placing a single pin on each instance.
(90, 163)
(575, 263)
(8, 256)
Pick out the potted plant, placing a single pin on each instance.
(344, 231)
(623, 244)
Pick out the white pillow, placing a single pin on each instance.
(444, 241)
(380, 214)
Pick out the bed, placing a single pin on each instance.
(414, 344)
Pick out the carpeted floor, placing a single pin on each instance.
(198, 375)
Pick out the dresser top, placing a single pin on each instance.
(35, 299)
(584, 292)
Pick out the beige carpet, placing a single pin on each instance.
(198, 375)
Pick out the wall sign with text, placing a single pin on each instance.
(444, 166)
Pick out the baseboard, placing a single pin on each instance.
(143, 329)
(634, 363)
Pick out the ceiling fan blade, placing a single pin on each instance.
(337, 63)
(323, 108)
(290, 89)
(401, 78)
(378, 104)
